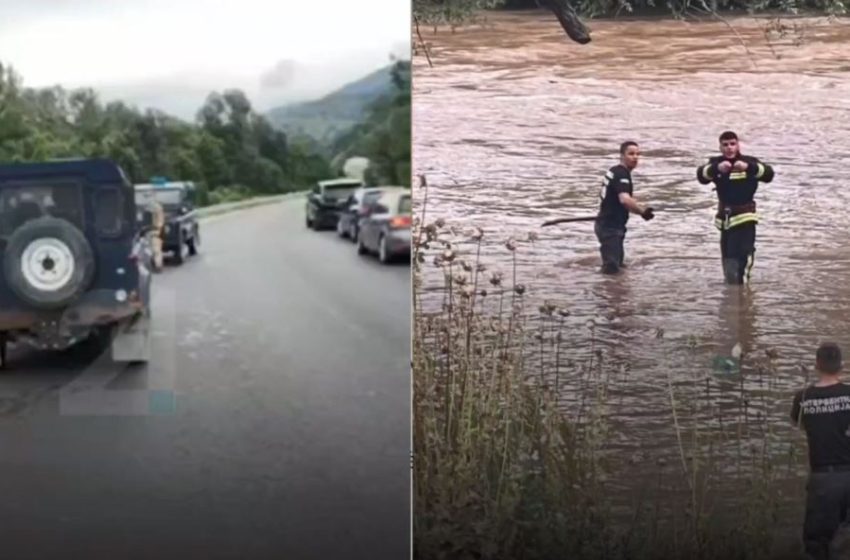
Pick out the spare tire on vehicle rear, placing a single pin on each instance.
(48, 263)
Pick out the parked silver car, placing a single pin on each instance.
(385, 227)
(356, 208)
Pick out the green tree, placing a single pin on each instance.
(384, 137)
(229, 147)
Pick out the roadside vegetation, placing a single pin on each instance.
(230, 150)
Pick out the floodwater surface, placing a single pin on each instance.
(514, 125)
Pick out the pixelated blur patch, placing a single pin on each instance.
(161, 402)
(726, 364)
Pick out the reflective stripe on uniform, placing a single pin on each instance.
(736, 220)
(608, 175)
(624, 180)
(738, 175)
(705, 171)
(743, 219)
(760, 172)
(749, 268)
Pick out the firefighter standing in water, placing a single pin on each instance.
(615, 204)
(736, 178)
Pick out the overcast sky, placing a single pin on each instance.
(171, 53)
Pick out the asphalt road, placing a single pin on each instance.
(288, 435)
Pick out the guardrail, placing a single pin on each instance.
(217, 209)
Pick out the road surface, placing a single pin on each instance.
(287, 438)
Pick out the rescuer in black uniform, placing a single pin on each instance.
(823, 411)
(736, 178)
(616, 203)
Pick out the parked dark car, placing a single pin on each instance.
(327, 200)
(73, 259)
(385, 229)
(181, 234)
(348, 224)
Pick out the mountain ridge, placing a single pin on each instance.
(326, 118)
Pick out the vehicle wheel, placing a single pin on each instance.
(308, 222)
(352, 233)
(383, 251)
(178, 253)
(194, 243)
(48, 263)
(361, 249)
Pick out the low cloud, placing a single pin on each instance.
(291, 82)
(281, 76)
(401, 51)
(287, 81)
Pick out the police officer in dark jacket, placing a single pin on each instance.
(615, 205)
(823, 410)
(736, 178)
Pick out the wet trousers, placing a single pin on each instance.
(827, 501)
(737, 251)
(611, 248)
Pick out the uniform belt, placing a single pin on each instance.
(734, 210)
(729, 216)
(831, 468)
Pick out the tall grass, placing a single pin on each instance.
(499, 467)
(503, 468)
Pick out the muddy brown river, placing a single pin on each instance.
(515, 125)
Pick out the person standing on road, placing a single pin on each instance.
(616, 202)
(158, 214)
(823, 411)
(736, 178)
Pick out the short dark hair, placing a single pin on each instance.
(728, 135)
(625, 146)
(829, 358)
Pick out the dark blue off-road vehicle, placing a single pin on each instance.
(73, 259)
(181, 234)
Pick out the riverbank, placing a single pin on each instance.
(482, 18)
(622, 48)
